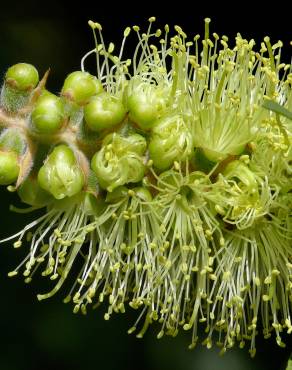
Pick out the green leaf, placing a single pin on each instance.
(277, 108)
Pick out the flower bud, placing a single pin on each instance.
(22, 77)
(80, 86)
(31, 193)
(146, 103)
(115, 164)
(171, 140)
(20, 80)
(9, 167)
(60, 174)
(103, 112)
(48, 114)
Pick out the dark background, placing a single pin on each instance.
(47, 335)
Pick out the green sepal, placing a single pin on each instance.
(12, 139)
(31, 193)
(87, 136)
(13, 100)
(92, 183)
(118, 194)
(93, 205)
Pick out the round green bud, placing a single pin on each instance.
(31, 193)
(22, 77)
(80, 86)
(146, 103)
(171, 140)
(48, 114)
(104, 111)
(60, 175)
(9, 167)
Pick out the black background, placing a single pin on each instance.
(46, 335)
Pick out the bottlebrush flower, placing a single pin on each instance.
(167, 177)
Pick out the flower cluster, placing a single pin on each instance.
(166, 178)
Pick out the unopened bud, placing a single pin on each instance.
(80, 86)
(103, 112)
(60, 174)
(22, 77)
(48, 114)
(9, 167)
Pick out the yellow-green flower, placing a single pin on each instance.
(166, 183)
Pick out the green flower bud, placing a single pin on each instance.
(146, 103)
(22, 77)
(48, 114)
(60, 174)
(9, 167)
(31, 193)
(80, 86)
(115, 164)
(104, 112)
(171, 140)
